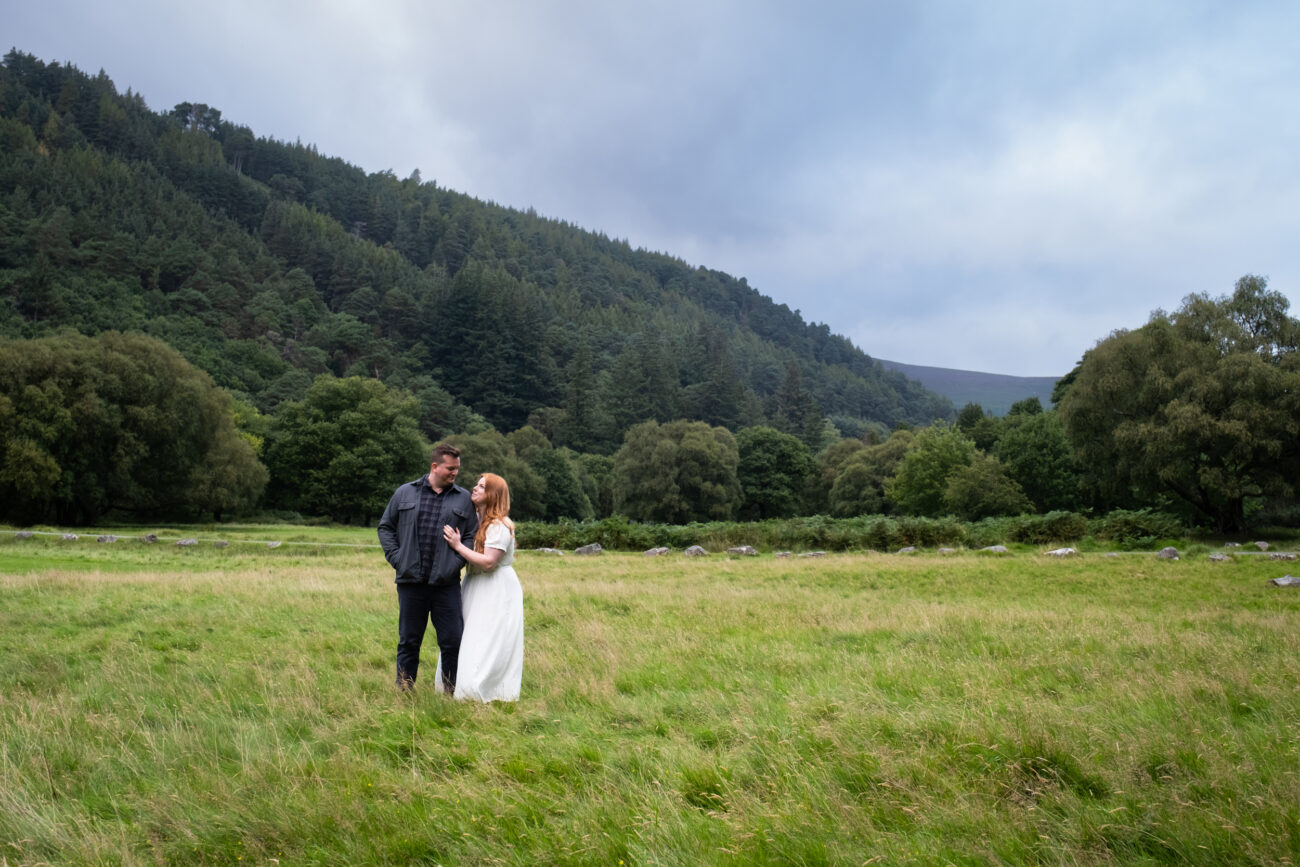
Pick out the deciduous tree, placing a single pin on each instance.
(774, 469)
(1202, 404)
(118, 421)
(677, 472)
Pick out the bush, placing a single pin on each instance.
(1127, 529)
(1135, 529)
(1052, 527)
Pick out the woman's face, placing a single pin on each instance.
(479, 492)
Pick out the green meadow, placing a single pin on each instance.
(169, 705)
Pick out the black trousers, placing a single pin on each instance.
(417, 604)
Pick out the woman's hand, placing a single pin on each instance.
(452, 535)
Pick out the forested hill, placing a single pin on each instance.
(267, 263)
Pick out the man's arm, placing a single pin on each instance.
(388, 530)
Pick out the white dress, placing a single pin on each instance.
(491, 662)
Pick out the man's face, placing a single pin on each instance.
(444, 472)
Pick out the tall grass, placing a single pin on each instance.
(205, 705)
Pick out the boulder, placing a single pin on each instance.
(70, 537)
(1284, 581)
(813, 554)
(655, 552)
(1263, 546)
(947, 551)
(549, 551)
(109, 539)
(1281, 555)
(695, 551)
(1216, 557)
(24, 534)
(743, 551)
(149, 537)
(587, 550)
(1112, 553)
(784, 554)
(274, 544)
(1232, 544)
(1168, 554)
(185, 543)
(910, 549)
(1062, 552)
(221, 543)
(996, 549)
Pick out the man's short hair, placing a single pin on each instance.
(443, 450)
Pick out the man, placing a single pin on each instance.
(428, 570)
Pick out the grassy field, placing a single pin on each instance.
(235, 705)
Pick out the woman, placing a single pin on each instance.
(491, 662)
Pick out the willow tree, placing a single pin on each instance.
(116, 422)
(1202, 405)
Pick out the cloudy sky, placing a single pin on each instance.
(988, 186)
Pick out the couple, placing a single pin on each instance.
(480, 623)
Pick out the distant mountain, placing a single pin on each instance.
(993, 391)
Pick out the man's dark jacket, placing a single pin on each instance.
(399, 534)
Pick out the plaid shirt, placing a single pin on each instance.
(429, 520)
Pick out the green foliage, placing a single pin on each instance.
(1135, 528)
(981, 489)
(1037, 455)
(858, 487)
(88, 425)
(773, 470)
(1202, 404)
(343, 449)
(562, 493)
(677, 472)
(920, 484)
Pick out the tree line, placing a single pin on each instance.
(1196, 413)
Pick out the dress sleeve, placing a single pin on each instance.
(498, 536)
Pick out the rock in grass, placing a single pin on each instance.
(996, 549)
(1168, 554)
(1216, 557)
(1232, 544)
(24, 534)
(70, 537)
(550, 551)
(1112, 553)
(1284, 581)
(1062, 552)
(813, 554)
(695, 551)
(655, 552)
(221, 543)
(946, 551)
(910, 549)
(588, 550)
(1281, 555)
(1263, 546)
(743, 551)
(149, 537)
(108, 539)
(274, 544)
(784, 554)
(185, 543)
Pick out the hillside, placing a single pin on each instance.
(267, 264)
(992, 391)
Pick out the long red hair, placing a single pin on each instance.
(495, 507)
